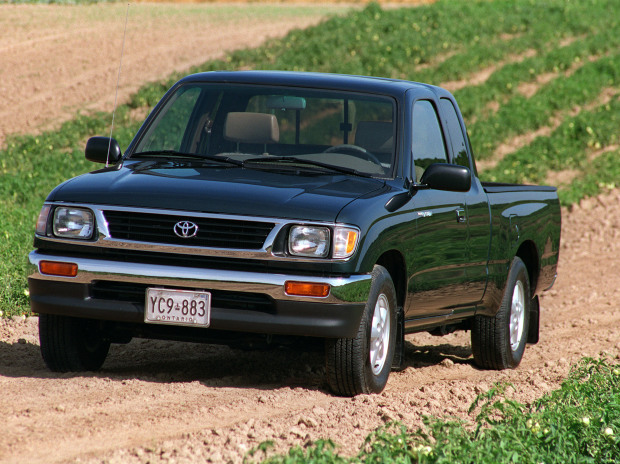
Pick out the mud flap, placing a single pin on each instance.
(399, 349)
(533, 331)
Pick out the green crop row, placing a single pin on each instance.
(521, 115)
(405, 43)
(578, 423)
(572, 146)
(503, 84)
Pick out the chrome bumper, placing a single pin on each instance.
(349, 289)
(334, 316)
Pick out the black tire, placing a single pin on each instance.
(70, 344)
(349, 368)
(497, 343)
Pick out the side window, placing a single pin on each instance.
(459, 150)
(427, 140)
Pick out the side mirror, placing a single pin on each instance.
(97, 150)
(443, 176)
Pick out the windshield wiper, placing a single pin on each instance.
(178, 154)
(293, 160)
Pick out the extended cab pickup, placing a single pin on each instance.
(279, 205)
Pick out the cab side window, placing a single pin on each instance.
(459, 149)
(427, 139)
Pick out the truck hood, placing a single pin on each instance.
(189, 186)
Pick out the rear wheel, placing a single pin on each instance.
(499, 342)
(70, 344)
(362, 364)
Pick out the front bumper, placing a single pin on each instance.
(337, 315)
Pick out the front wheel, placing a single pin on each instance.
(70, 344)
(362, 364)
(499, 342)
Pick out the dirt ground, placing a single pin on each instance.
(164, 402)
(56, 60)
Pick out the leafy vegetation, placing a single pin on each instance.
(31, 166)
(578, 423)
(576, 144)
(486, 52)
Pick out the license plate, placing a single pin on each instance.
(177, 307)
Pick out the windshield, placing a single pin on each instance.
(241, 122)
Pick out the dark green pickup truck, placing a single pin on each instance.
(274, 206)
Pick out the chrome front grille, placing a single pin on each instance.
(212, 232)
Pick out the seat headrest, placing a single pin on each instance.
(375, 136)
(251, 128)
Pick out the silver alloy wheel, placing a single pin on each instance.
(380, 334)
(517, 316)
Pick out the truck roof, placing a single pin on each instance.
(381, 85)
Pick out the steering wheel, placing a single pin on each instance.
(354, 150)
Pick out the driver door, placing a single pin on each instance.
(439, 256)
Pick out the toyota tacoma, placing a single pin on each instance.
(275, 206)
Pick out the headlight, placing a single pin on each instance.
(73, 223)
(316, 241)
(345, 241)
(309, 241)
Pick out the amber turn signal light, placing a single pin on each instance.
(58, 269)
(306, 289)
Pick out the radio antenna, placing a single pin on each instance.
(118, 79)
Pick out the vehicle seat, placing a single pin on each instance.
(251, 128)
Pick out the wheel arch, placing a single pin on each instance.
(529, 255)
(394, 262)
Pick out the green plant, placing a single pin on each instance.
(579, 144)
(577, 423)
(320, 452)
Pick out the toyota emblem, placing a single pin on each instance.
(185, 229)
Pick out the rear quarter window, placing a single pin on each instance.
(455, 134)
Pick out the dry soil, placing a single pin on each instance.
(56, 60)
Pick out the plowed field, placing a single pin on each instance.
(57, 60)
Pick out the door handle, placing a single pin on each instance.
(461, 217)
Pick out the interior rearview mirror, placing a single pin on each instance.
(283, 102)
